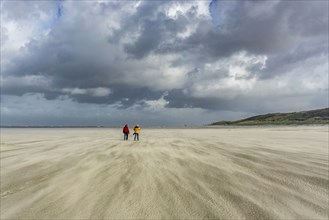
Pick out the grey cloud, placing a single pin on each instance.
(254, 104)
(82, 52)
(121, 95)
(307, 18)
(290, 24)
(252, 34)
(155, 33)
(26, 9)
(147, 41)
(281, 63)
(72, 57)
(177, 99)
(28, 84)
(131, 24)
(4, 35)
(155, 30)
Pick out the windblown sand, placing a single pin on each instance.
(230, 173)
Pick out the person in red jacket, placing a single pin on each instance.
(125, 132)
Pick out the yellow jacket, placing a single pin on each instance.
(137, 129)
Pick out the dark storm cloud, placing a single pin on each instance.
(280, 29)
(282, 63)
(177, 99)
(148, 40)
(153, 28)
(130, 24)
(72, 57)
(254, 104)
(85, 51)
(20, 86)
(155, 33)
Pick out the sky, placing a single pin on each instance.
(162, 63)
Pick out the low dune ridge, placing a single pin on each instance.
(222, 173)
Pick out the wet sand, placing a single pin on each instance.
(222, 173)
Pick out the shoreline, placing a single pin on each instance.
(167, 127)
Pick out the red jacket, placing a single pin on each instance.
(125, 129)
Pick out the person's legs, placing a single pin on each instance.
(137, 136)
(125, 136)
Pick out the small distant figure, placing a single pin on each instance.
(125, 132)
(136, 132)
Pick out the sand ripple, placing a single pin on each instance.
(241, 173)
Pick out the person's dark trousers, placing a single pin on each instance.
(136, 137)
(125, 136)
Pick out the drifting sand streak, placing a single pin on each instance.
(237, 173)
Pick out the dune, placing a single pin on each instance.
(221, 173)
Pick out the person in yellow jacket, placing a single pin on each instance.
(136, 132)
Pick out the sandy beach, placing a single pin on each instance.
(218, 173)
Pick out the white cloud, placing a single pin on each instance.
(100, 91)
(97, 92)
(227, 78)
(309, 76)
(75, 91)
(157, 104)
